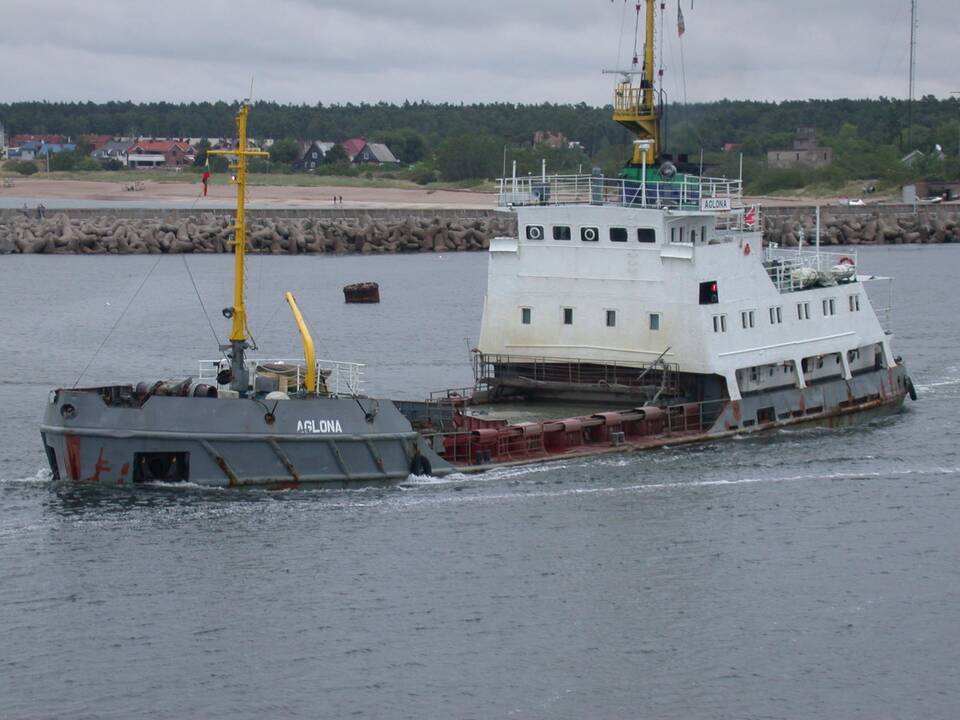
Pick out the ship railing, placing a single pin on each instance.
(746, 219)
(574, 371)
(786, 267)
(685, 193)
(479, 442)
(334, 377)
(880, 293)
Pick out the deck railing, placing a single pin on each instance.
(684, 193)
(483, 442)
(487, 368)
(789, 269)
(880, 292)
(334, 377)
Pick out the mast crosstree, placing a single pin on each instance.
(238, 313)
(636, 108)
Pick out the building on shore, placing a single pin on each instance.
(804, 153)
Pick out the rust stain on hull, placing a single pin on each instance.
(73, 456)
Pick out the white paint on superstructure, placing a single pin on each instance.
(637, 277)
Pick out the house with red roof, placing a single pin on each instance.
(160, 153)
(354, 146)
(96, 141)
(18, 140)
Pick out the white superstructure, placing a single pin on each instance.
(622, 272)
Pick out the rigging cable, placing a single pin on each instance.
(200, 299)
(117, 321)
(623, 21)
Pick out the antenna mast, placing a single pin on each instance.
(238, 313)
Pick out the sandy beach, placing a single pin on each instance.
(60, 193)
(87, 193)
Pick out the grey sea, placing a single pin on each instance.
(804, 574)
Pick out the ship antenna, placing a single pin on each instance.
(239, 380)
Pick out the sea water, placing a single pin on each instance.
(803, 574)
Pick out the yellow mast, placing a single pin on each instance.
(238, 333)
(636, 108)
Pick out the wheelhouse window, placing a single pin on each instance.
(611, 318)
(776, 315)
(525, 315)
(654, 321)
(646, 235)
(561, 232)
(589, 234)
(568, 316)
(534, 232)
(618, 234)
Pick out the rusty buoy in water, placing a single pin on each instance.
(365, 292)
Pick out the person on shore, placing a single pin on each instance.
(205, 178)
(41, 212)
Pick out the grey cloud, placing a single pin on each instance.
(510, 50)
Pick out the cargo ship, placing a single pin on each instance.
(644, 311)
(627, 313)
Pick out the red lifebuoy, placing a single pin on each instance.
(846, 260)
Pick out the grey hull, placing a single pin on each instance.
(232, 442)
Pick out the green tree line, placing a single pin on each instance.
(461, 141)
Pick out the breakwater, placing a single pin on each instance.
(131, 231)
(859, 225)
(270, 232)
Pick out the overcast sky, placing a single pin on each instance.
(464, 50)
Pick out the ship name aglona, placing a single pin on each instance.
(319, 426)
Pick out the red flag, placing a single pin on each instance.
(750, 217)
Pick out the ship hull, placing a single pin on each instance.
(332, 442)
(834, 403)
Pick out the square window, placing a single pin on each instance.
(589, 234)
(618, 234)
(561, 232)
(611, 318)
(646, 235)
(525, 315)
(568, 316)
(654, 321)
